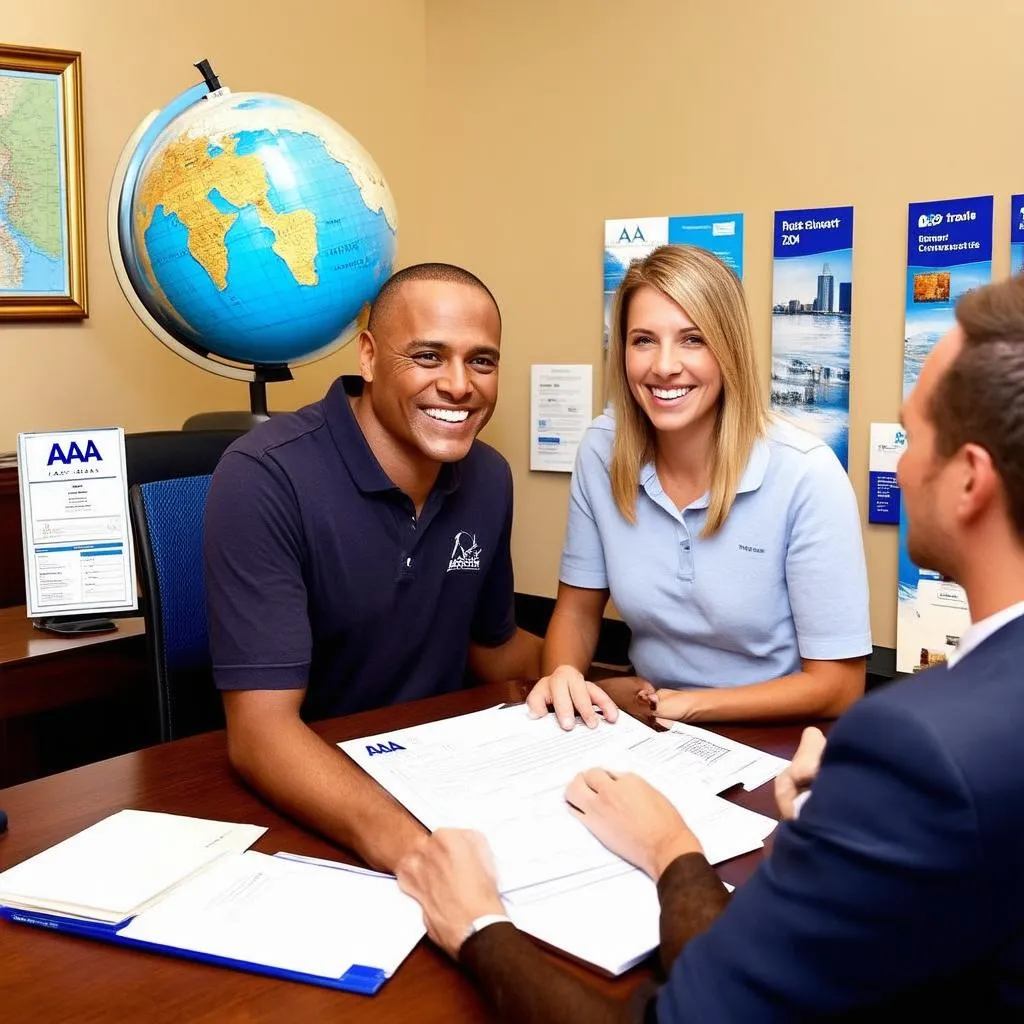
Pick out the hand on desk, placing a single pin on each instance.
(451, 875)
(631, 818)
(802, 771)
(569, 693)
(670, 705)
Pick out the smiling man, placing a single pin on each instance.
(357, 555)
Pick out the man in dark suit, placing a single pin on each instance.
(899, 886)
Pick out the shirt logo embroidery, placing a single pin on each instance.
(465, 554)
(751, 549)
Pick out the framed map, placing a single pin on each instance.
(42, 219)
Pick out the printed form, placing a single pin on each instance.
(504, 774)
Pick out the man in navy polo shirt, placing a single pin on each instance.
(357, 555)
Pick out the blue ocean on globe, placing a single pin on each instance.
(259, 230)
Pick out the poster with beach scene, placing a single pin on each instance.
(949, 252)
(812, 305)
(628, 240)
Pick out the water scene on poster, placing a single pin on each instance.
(812, 305)
(1017, 234)
(949, 252)
(628, 240)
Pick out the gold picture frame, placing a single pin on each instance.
(42, 198)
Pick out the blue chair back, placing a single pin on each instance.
(168, 519)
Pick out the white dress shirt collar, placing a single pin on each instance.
(978, 632)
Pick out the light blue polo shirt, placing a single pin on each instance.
(784, 577)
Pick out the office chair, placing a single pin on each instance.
(167, 454)
(167, 518)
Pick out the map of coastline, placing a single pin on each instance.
(32, 194)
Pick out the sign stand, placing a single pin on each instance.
(76, 530)
(73, 625)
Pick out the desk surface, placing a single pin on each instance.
(51, 977)
(21, 641)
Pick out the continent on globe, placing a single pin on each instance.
(186, 181)
(253, 228)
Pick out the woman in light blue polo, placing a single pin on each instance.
(729, 540)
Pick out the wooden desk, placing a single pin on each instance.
(51, 977)
(41, 672)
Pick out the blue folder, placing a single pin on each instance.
(358, 978)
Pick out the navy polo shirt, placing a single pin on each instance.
(320, 575)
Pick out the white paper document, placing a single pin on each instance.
(121, 864)
(561, 408)
(289, 913)
(714, 761)
(76, 530)
(503, 774)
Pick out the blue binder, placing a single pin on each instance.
(358, 978)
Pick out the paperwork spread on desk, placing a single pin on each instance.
(505, 775)
(288, 913)
(717, 762)
(115, 868)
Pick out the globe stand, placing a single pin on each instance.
(239, 419)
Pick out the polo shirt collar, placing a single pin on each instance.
(751, 480)
(355, 451)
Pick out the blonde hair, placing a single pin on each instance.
(712, 296)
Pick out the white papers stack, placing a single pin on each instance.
(714, 761)
(189, 887)
(120, 865)
(611, 923)
(287, 913)
(505, 775)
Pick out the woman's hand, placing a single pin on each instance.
(568, 693)
(631, 818)
(670, 706)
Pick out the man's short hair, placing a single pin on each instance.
(423, 272)
(980, 398)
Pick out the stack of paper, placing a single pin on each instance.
(715, 762)
(188, 887)
(121, 864)
(505, 775)
(289, 914)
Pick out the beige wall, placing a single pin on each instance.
(509, 130)
(362, 63)
(550, 115)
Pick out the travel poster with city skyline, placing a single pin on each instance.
(1017, 234)
(812, 304)
(632, 239)
(949, 252)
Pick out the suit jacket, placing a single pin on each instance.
(901, 886)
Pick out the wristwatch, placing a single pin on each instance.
(480, 923)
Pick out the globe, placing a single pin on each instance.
(249, 231)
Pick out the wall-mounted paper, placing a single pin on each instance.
(561, 397)
(888, 440)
